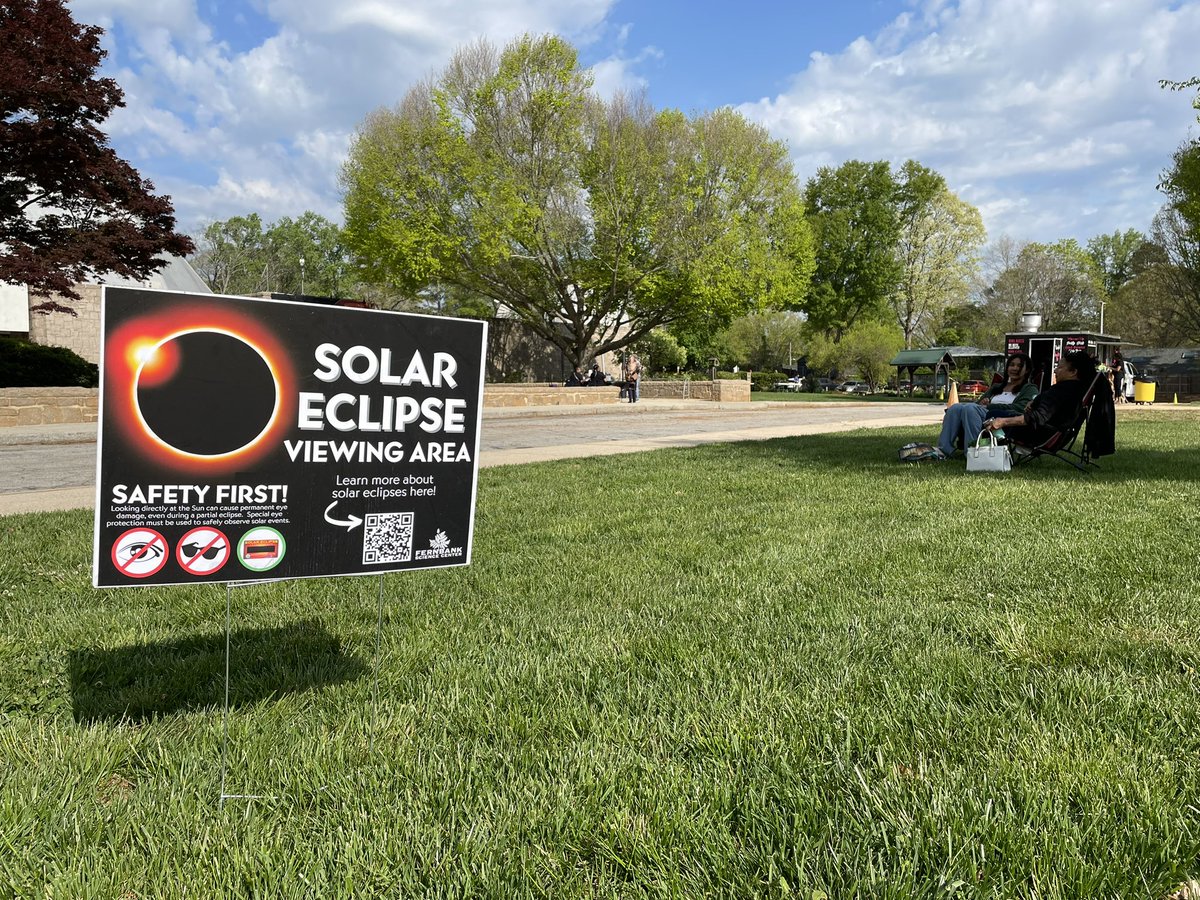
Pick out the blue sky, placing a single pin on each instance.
(1046, 114)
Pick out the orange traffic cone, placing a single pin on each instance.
(953, 394)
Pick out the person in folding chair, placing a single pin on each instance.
(1008, 397)
(1056, 412)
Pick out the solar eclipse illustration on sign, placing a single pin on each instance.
(176, 381)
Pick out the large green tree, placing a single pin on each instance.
(231, 257)
(1113, 255)
(938, 247)
(659, 351)
(866, 348)
(766, 340)
(592, 221)
(1144, 309)
(890, 244)
(1176, 229)
(1060, 281)
(240, 256)
(855, 218)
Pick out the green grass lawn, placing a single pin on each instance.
(795, 668)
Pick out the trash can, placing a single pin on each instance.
(1143, 390)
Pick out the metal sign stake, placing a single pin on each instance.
(375, 684)
(229, 586)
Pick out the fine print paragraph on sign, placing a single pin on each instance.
(243, 438)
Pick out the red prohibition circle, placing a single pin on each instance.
(201, 549)
(140, 552)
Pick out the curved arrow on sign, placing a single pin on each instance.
(350, 524)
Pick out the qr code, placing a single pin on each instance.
(388, 538)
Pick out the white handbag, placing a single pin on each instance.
(991, 458)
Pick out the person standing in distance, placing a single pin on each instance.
(633, 377)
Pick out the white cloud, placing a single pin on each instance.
(618, 73)
(272, 123)
(1035, 110)
(177, 15)
(1008, 98)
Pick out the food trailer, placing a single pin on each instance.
(1045, 348)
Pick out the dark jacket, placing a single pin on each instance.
(1050, 411)
(1101, 435)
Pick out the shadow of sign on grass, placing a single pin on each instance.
(142, 681)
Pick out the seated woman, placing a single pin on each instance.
(964, 421)
(1054, 409)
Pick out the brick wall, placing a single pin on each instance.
(80, 333)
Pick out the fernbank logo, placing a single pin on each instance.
(439, 548)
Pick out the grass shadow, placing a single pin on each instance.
(875, 452)
(143, 681)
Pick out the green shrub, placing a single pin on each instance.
(765, 381)
(25, 364)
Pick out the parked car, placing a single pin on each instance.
(972, 387)
(848, 387)
(861, 388)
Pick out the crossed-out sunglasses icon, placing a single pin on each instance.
(191, 549)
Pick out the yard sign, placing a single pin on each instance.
(259, 439)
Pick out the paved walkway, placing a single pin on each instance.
(49, 467)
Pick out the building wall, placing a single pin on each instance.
(14, 309)
(80, 332)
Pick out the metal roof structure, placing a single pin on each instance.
(933, 356)
(176, 275)
(914, 359)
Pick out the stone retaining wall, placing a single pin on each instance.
(64, 405)
(723, 390)
(48, 406)
(508, 396)
(515, 395)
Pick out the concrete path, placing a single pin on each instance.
(655, 425)
(50, 467)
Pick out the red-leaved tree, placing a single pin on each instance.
(69, 206)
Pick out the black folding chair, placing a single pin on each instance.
(1061, 443)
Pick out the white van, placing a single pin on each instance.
(1131, 373)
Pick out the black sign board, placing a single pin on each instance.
(246, 440)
